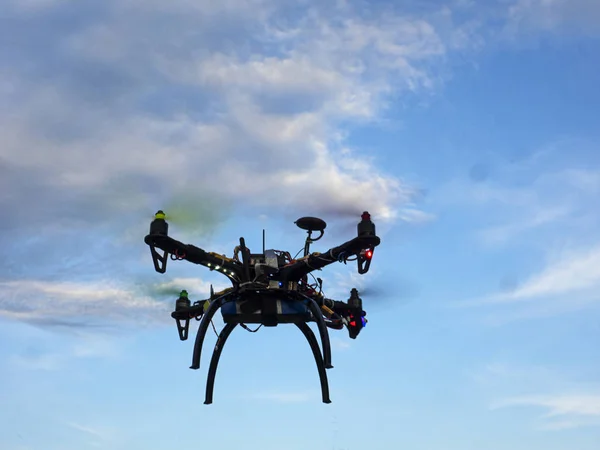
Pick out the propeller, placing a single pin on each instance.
(170, 290)
(192, 213)
(391, 294)
(164, 291)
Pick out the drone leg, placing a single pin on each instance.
(214, 361)
(314, 308)
(314, 346)
(202, 329)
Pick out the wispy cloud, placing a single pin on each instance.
(114, 120)
(562, 411)
(529, 17)
(563, 287)
(501, 234)
(563, 402)
(39, 355)
(575, 274)
(87, 304)
(86, 429)
(542, 200)
(338, 343)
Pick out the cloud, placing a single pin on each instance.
(541, 201)
(86, 429)
(51, 353)
(544, 207)
(121, 108)
(500, 235)
(565, 403)
(74, 304)
(568, 283)
(562, 411)
(269, 111)
(572, 274)
(340, 344)
(580, 17)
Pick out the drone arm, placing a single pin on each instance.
(214, 361)
(316, 261)
(314, 346)
(193, 254)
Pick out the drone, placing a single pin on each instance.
(268, 289)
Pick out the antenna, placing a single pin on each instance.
(263, 241)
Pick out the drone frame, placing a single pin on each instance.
(245, 290)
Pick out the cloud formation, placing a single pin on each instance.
(571, 275)
(562, 411)
(556, 16)
(113, 110)
(249, 114)
(93, 304)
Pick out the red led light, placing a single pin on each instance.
(369, 253)
(353, 323)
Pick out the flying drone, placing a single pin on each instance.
(268, 289)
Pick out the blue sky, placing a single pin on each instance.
(468, 129)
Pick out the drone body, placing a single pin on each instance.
(268, 289)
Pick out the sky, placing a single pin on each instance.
(470, 132)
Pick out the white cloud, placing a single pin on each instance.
(572, 279)
(573, 274)
(134, 106)
(501, 234)
(86, 429)
(135, 103)
(51, 353)
(98, 306)
(543, 201)
(571, 16)
(563, 411)
(551, 214)
(339, 343)
(241, 120)
(563, 402)
(78, 303)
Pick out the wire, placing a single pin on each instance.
(314, 278)
(214, 328)
(286, 255)
(245, 327)
(316, 283)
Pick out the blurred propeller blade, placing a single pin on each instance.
(377, 295)
(192, 213)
